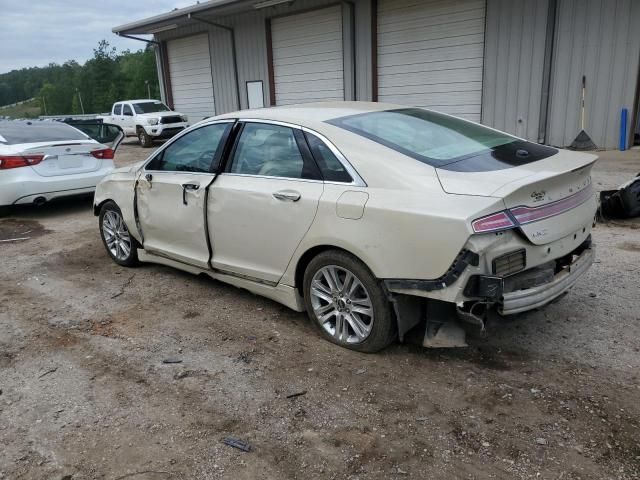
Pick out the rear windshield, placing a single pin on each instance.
(150, 107)
(441, 140)
(13, 132)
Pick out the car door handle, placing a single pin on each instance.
(287, 195)
(188, 187)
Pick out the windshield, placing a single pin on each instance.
(150, 107)
(431, 137)
(13, 132)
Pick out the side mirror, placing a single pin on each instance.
(128, 114)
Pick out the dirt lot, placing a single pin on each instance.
(84, 392)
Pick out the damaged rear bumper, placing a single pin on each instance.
(535, 297)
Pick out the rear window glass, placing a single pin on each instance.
(15, 132)
(150, 107)
(427, 136)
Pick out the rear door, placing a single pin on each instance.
(264, 203)
(172, 194)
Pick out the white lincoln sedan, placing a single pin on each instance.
(376, 219)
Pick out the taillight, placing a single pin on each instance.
(524, 215)
(104, 154)
(17, 161)
(493, 223)
(517, 216)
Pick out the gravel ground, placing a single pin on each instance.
(84, 392)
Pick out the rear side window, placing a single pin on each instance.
(271, 150)
(332, 169)
(14, 132)
(442, 141)
(117, 110)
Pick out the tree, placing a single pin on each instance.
(107, 77)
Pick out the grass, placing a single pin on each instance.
(26, 110)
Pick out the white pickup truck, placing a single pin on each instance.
(146, 119)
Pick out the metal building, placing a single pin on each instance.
(516, 65)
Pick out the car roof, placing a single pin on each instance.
(140, 100)
(307, 114)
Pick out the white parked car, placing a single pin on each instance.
(368, 216)
(148, 120)
(40, 161)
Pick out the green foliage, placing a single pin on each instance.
(28, 109)
(106, 78)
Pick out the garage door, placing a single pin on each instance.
(431, 54)
(307, 56)
(190, 73)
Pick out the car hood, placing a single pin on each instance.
(134, 167)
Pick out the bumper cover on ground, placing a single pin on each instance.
(535, 297)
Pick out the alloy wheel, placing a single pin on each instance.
(116, 235)
(341, 304)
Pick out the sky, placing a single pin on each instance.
(34, 33)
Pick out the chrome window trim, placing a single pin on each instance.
(176, 137)
(357, 180)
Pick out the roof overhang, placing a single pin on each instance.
(184, 16)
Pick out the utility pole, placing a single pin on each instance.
(146, 82)
(44, 101)
(80, 98)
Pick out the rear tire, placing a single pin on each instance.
(144, 138)
(120, 245)
(348, 303)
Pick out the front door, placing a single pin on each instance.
(262, 206)
(127, 120)
(172, 194)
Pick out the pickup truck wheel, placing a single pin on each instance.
(347, 302)
(145, 140)
(120, 245)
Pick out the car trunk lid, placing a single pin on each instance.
(550, 198)
(66, 158)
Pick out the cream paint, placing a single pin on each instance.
(169, 226)
(252, 232)
(351, 204)
(410, 228)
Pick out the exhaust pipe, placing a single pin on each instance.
(39, 201)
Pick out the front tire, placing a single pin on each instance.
(120, 245)
(348, 303)
(144, 138)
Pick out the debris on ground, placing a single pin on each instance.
(52, 370)
(297, 394)
(623, 202)
(124, 286)
(235, 443)
(172, 360)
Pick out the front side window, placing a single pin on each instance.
(332, 169)
(126, 110)
(117, 110)
(198, 151)
(270, 150)
(150, 107)
(442, 141)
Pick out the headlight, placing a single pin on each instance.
(152, 121)
(184, 118)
